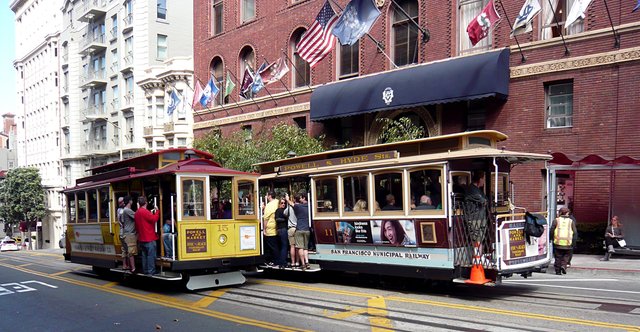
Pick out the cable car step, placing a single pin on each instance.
(312, 268)
(215, 280)
(164, 275)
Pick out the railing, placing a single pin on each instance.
(169, 127)
(114, 32)
(93, 39)
(115, 104)
(128, 99)
(148, 130)
(128, 59)
(95, 145)
(97, 110)
(115, 67)
(128, 21)
(93, 75)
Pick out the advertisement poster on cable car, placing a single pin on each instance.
(518, 250)
(390, 232)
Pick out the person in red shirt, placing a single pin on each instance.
(147, 236)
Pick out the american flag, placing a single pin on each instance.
(318, 41)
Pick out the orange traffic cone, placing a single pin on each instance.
(477, 271)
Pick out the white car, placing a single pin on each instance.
(8, 245)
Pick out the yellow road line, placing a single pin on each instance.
(165, 301)
(110, 284)
(60, 273)
(378, 315)
(23, 265)
(45, 254)
(208, 299)
(528, 315)
(310, 288)
(349, 313)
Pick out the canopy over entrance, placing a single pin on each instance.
(451, 80)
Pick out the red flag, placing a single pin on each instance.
(275, 71)
(480, 26)
(197, 94)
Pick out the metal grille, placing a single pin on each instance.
(473, 232)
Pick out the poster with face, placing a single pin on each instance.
(394, 232)
(353, 232)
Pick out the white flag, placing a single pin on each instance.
(523, 21)
(577, 11)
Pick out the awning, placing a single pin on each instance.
(455, 79)
(592, 161)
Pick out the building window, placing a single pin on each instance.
(349, 60)
(558, 10)
(182, 141)
(216, 17)
(246, 130)
(247, 59)
(162, 47)
(405, 35)
(161, 12)
(248, 10)
(217, 72)
(301, 74)
(114, 26)
(468, 10)
(559, 104)
(301, 122)
(476, 116)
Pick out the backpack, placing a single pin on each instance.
(533, 225)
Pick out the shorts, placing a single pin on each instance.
(291, 233)
(129, 245)
(302, 239)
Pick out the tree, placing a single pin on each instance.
(22, 197)
(239, 152)
(402, 129)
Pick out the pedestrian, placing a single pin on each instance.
(167, 238)
(303, 231)
(281, 237)
(145, 225)
(269, 228)
(129, 236)
(613, 237)
(564, 234)
(291, 233)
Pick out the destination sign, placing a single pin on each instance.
(348, 160)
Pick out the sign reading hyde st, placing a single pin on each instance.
(378, 156)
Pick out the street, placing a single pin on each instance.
(39, 291)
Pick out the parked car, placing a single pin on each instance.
(8, 244)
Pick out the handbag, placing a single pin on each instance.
(622, 243)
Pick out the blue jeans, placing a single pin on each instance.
(167, 240)
(148, 255)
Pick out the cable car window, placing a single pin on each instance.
(104, 204)
(71, 198)
(92, 205)
(356, 194)
(326, 195)
(220, 193)
(425, 190)
(192, 198)
(82, 206)
(246, 192)
(388, 188)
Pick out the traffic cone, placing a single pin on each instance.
(477, 271)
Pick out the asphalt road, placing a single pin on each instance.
(41, 292)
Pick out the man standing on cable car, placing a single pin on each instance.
(145, 225)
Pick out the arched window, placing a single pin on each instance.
(216, 68)
(405, 33)
(247, 59)
(301, 73)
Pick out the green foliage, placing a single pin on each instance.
(239, 152)
(402, 129)
(22, 196)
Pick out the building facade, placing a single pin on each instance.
(37, 26)
(553, 89)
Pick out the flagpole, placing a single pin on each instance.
(379, 45)
(523, 58)
(555, 18)
(615, 34)
(296, 68)
(284, 85)
(191, 104)
(211, 109)
(206, 107)
(425, 33)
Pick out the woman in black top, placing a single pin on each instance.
(282, 238)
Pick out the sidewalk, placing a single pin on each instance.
(618, 265)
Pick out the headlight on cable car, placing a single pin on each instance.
(222, 239)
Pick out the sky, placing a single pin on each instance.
(7, 55)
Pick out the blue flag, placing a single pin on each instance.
(258, 83)
(636, 7)
(173, 102)
(209, 92)
(356, 20)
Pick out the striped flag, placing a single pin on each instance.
(318, 41)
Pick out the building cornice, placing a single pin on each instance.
(587, 61)
(49, 38)
(277, 111)
(15, 4)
